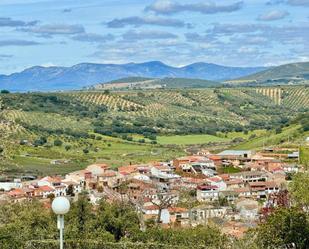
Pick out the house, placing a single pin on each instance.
(128, 170)
(13, 184)
(188, 160)
(248, 209)
(79, 176)
(250, 176)
(235, 154)
(217, 181)
(191, 183)
(17, 195)
(232, 184)
(44, 191)
(229, 195)
(202, 213)
(243, 192)
(257, 189)
(293, 155)
(207, 193)
(163, 179)
(97, 168)
(290, 168)
(49, 181)
(77, 187)
(178, 216)
(109, 178)
(271, 188)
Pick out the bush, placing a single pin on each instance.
(94, 244)
(57, 142)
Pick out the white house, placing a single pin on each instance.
(7, 186)
(207, 193)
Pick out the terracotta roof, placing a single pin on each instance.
(17, 192)
(215, 179)
(234, 181)
(224, 176)
(129, 169)
(177, 210)
(101, 165)
(109, 173)
(193, 180)
(51, 179)
(151, 207)
(206, 187)
(241, 190)
(45, 188)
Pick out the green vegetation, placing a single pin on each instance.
(304, 155)
(294, 72)
(144, 83)
(189, 139)
(116, 223)
(139, 126)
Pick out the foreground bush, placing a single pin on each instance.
(107, 245)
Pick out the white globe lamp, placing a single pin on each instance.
(60, 207)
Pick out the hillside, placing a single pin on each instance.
(294, 73)
(152, 83)
(135, 126)
(86, 74)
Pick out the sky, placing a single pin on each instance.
(176, 32)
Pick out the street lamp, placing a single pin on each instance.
(60, 206)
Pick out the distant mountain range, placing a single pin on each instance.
(86, 74)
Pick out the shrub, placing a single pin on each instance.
(57, 142)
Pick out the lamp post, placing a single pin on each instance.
(60, 206)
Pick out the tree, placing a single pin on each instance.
(58, 142)
(119, 219)
(163, 200)
(67, 147)
(299, 190)
(283, 228)
(5, 91)
(187, 199)
(70, 190)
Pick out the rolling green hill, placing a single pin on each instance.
(138, 126)
(294, 73)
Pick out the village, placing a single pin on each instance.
(233, 189)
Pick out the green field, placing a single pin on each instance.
(190, 139)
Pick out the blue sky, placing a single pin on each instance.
(176, 32)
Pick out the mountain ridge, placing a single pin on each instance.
(39, 78)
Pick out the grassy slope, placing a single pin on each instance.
(280, 72)
(113, 151)
(289, 134)
(190, 139)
